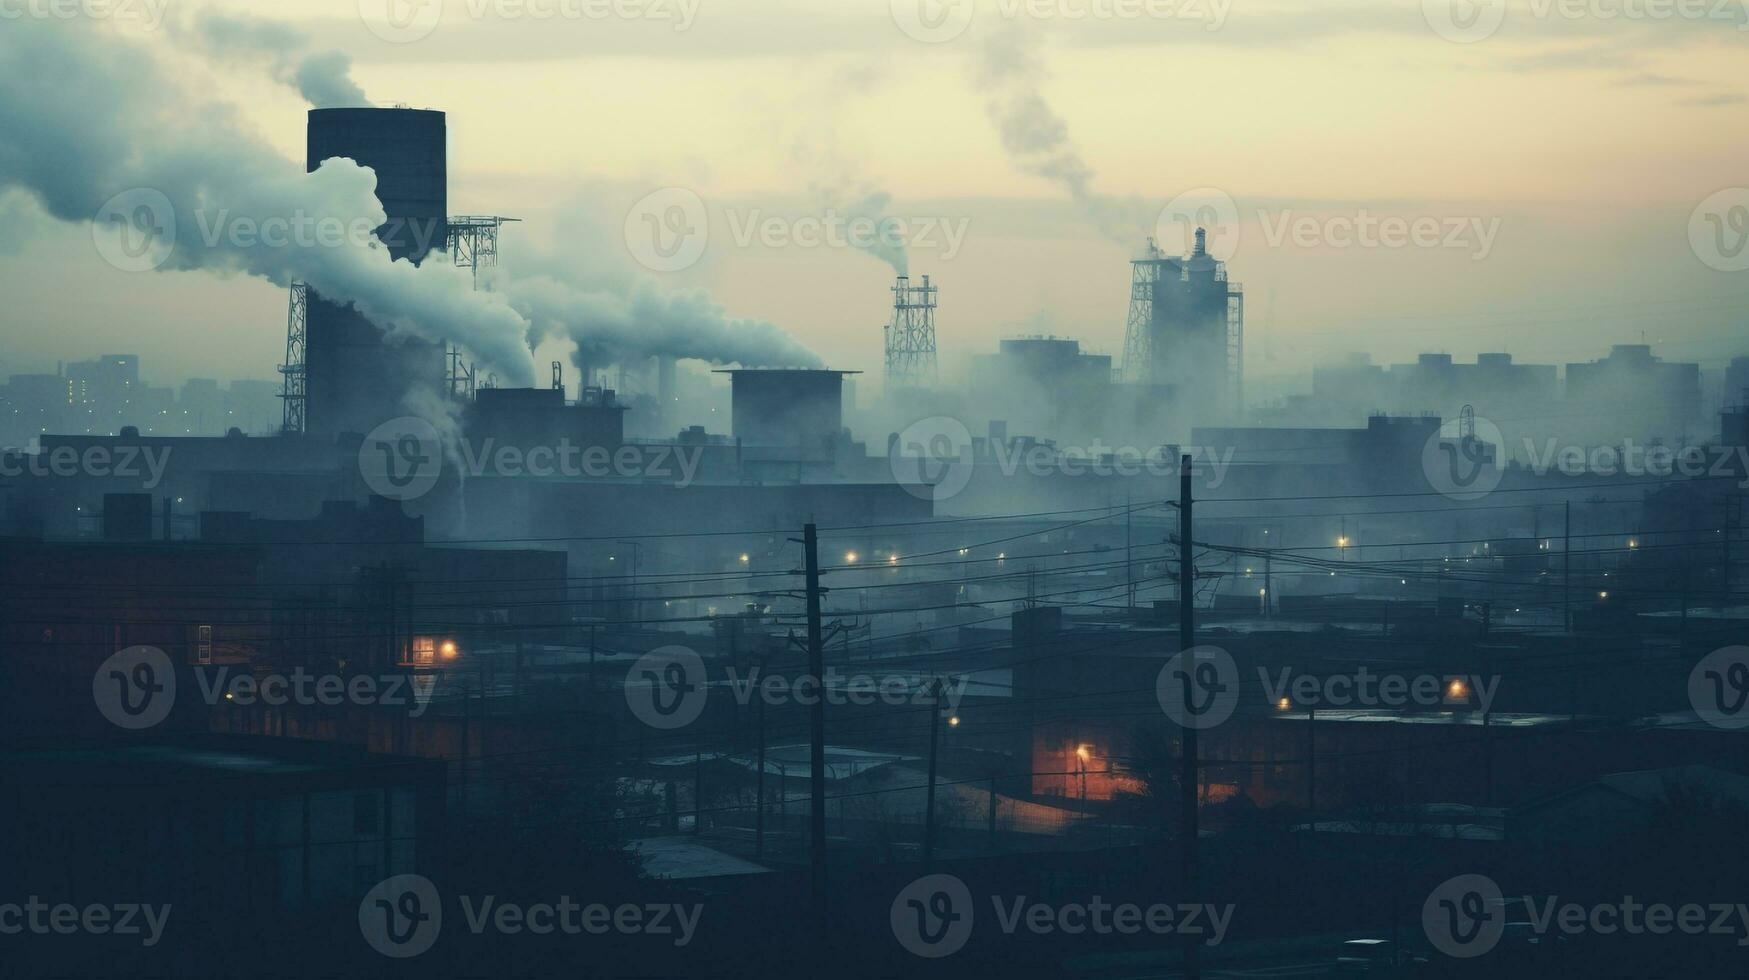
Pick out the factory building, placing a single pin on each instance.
(1186, 330)
(354, 377)
(794, 412)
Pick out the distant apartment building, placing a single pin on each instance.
(1633, 395)
(103, 395)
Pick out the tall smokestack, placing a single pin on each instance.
(355, 380)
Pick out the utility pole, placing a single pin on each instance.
(1189, 779)
(816, 725)
(1726, 576)
(1268, 586)
(1567, 564)
(1129, 567)
(929, 794)
(637, 552)
(759, 786)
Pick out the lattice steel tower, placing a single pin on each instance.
(911, 335)
(1186, 326)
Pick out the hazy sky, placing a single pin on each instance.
(1557, 164)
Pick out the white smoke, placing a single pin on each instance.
(1010, 70)
(324, 78)
(85, 116)
(626, 324)
(837, 181)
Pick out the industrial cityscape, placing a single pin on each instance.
(524, 625)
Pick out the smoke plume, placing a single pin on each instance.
(620, 325)
(85, 116)
(323, 78)
(1036, 139)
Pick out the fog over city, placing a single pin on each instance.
(974, 488)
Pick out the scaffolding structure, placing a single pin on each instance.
(291, 388)
(910, 337)
(1146, 273)
(472, 240)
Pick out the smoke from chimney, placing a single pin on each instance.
(323, 78)
(1035, 138)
